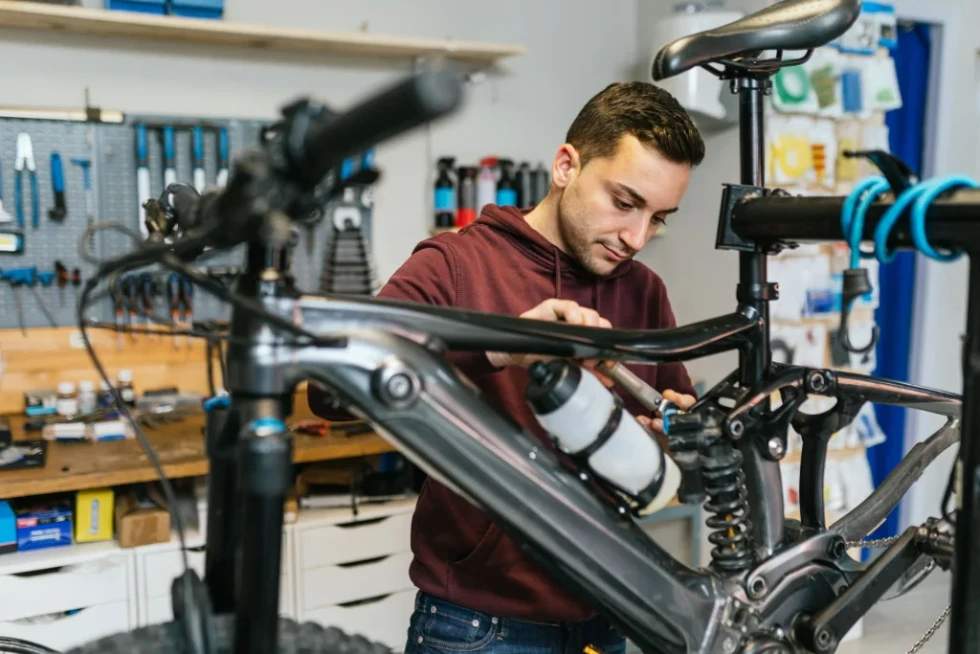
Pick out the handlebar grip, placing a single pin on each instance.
(406, 105)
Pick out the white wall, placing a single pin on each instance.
(574, 48)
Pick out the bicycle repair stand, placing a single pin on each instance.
(756, 232)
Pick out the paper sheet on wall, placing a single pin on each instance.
(866, 427)
(802, 281)
(799, 345)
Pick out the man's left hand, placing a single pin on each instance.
(656, 425)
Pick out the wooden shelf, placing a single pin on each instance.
(180, 447)
(176, 29)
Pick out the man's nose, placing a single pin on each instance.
(635, 236)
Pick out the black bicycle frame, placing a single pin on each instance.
(384, 360)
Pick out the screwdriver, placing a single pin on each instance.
(146, 289)
(647, 395)
(61, 276)
(187, 299)
(173, 297)
(129, 289)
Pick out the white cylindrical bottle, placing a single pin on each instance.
(587, 422)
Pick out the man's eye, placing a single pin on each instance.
(622, 206)
(659, 220)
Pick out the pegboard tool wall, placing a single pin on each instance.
(112, 151)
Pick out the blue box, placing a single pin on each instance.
(43, 524)
(196, 8)
(8, 529)
(143, 6)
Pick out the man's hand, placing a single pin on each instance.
(555, 311)
(656, 425)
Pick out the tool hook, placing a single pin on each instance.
(856, 284)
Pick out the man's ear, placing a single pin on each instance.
(566, 166)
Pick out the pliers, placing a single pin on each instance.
(25, 159)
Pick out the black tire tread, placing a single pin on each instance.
(294, 638)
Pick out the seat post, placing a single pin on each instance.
(762, 475)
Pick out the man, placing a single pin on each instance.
(622, 172)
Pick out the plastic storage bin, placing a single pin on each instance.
(196, 8)
(144, 6)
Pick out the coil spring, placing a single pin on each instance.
(724, 484)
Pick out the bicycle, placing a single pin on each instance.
(774, 585)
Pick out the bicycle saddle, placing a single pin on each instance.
(786, 25)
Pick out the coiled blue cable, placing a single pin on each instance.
(852, 216)
(933, 189)
(920, 196)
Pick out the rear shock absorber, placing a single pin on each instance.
(724, 484)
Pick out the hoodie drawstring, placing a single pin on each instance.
(557, 275)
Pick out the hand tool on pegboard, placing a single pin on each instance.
(169, 158)
(11, 236)
(60, 209)
(115, 291)
(27, 276)
(173, 299)
(15, 289)
(222, 180)
(130, 291)
(61, 277)
(25, 160)
(146, 288)
(198, 158)
(86, 166)
(142, 176)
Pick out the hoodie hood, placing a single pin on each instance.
(567, 271)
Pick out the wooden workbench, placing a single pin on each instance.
(180, 447)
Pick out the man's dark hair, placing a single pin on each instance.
(644, 110)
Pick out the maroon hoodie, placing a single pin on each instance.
(500, 264)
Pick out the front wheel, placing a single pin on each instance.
(168, 638)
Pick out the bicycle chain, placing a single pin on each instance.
(932, 631)
(926, 637)
(881, 542)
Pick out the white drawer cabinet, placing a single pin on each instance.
(339, 584)
(63, 580)
(384, 619)
(327, 543)
(352, 571)
(159, 565)
(62, 632)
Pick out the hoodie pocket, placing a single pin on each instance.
(483, 548)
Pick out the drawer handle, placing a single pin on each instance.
(40, 572)
(354, 524)
(48, 618)
(198, 548)
(355, 564)
(362, 602)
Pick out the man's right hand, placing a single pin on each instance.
(554, 311)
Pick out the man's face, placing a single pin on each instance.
(612, 206)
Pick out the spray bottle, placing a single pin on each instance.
(506, 185)
(466, 212)
(445, 194)
(486, 183)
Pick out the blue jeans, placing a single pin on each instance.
(440, 627)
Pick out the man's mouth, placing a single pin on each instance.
(616, 254)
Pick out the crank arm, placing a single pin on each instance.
(823, 632)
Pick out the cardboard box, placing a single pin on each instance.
(93, 515)
(42, 524)
(8, 529)
(141, 517)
